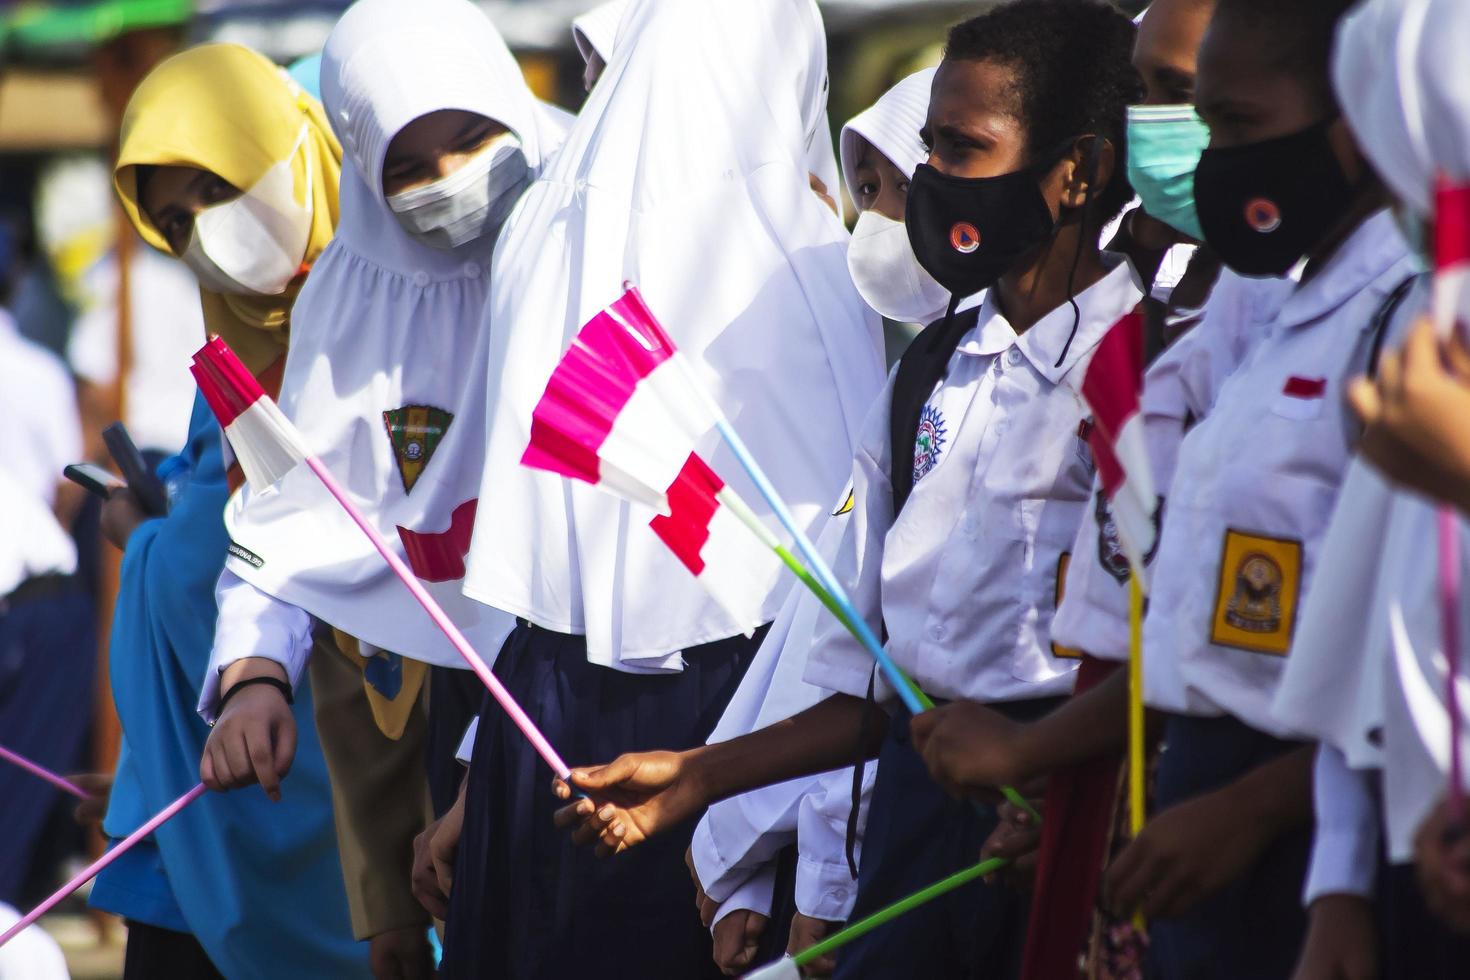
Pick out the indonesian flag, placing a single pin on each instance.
(1112, 387)
(1451, 256)
(265, 442)
(622, 412)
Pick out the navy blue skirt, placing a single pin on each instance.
(1254, 927)
(526, 903)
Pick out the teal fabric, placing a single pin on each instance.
(1164, 147)
(259, 884)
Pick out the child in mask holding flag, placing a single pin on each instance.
(970, 482)
(1280, 189)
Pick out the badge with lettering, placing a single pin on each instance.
(415, 432)
(1260, 583)
(1110, 548)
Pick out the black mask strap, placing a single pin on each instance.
(1094, 157)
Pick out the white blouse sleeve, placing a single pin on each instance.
(1345, 843)
(253, 624)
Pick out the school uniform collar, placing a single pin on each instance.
(1371, 250)
(1099, 306)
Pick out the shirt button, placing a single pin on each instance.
(472, 270)
(421, 279)
(840, 894)
(937, 632)
(1014, 356)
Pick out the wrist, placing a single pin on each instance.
(249, 667)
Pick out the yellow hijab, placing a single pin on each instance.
(228, 110)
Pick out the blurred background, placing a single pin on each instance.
(124, 320)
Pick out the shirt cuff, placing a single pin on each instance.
(1345, 844)
(466, 748)
(824, 890)
(253, 624)
(755, 894)
(727, 847)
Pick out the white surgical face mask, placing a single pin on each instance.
(254, 244)
(886, 273)
(471, 202)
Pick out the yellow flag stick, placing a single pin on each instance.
(1135, 713)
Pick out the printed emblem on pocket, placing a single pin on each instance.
(1255, 604)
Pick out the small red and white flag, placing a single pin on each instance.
(1112, 387)
(1451, 257)
(620, 410)
(623, 412)
(265, 442)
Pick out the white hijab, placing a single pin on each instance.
(892, 125)
(383, 324)
(596, 31)
(685, 173)
(1367, 672)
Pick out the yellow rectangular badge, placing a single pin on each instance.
(1062, 562)
(1260, 583)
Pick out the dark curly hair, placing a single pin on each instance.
(1074, 76)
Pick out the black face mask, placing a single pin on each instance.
(966, 231)
(1263, 205)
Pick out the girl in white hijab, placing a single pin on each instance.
(1367, 673)
(385, 376)
(686, 173)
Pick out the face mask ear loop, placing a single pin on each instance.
(954, 301)
(1094, 156)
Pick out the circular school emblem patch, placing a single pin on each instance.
(413, 451)
(929, 442)
(964, 237)
(1262, 215)
(1256, 605)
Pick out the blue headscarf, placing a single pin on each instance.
(259, 884)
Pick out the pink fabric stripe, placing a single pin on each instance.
(589, 388)
(1115, 376)
(439, 556)
(1451, 224)
(95, 868)
(41, 772)
(691, 505)
(227, 385)
(1299, 387)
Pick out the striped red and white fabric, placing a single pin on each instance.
(701, 530)
(265, 442)
(620, 411)
(1112, 387)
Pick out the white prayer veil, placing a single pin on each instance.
(385, 374)
(686, 174)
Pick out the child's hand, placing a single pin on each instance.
(254, 739)
(806, 932)
(968, 747)
(401, 954)
(1016, 838)
(639, 794)
(1342, 941)
(1442, 859)
(737, 937)
(434, 851)
(99, 791)
(1184, 855)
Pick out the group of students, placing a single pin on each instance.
(402, 263)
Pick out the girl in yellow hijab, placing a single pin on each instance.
(227, 164)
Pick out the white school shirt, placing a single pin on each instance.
(965, 579)
(1254, 489)
(1179, 389)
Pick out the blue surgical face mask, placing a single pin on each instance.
(1164, 147)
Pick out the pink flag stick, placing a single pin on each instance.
(92, 870)
(60, 782)
(497, 690)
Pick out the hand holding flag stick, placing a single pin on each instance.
(623, 411)
(269, 446)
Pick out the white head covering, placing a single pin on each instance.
(385, 324)
(1367, 671)
(595, 31)
(686, 174)
(892, 125)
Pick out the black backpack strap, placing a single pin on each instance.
(920, 368)
(1384, 317)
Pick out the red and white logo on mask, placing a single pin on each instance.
(964, 237)
(1262, 215)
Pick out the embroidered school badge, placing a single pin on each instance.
(1064, 561)
(929, 442)
(1110, 553)
(1255, 603)
(415, 432)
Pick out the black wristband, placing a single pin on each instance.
(238, 686)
